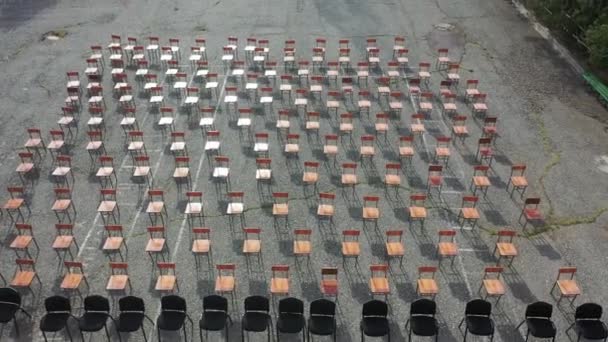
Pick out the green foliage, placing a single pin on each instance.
(596, 39)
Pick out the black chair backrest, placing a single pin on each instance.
(96, 303)
(9, 295)
(173, 303)
(588, 311)
(57, 304)
(478, 307)
(375, 308)
(291, 305)
(322, 307)
(423, 306)
(257, 303)
(131, 303)
(539, 310)
(215, 303)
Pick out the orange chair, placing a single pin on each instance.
(417, 126)
(225, 282)
(505, 246)
(381, 125)
(417, 209)
(395, 103)
(392, 176)
(252, 244)
(283, 122)
(16, 202)
(57, 143)
(414, 87)
(263, 172)
(221, 172)
(350, 245)
(167, 277)
(313, 123)
(442, 59)
(394, 245)
(63, 168)
(480, 106)
(114, 241)
(333, 102)
(279, 282)
(459, 127)
(156, 242)
(62, 204)
(310, 175)
(95, 146)
(142, 169)
(73, 277)
(194, 207)
(178, 143)
(325, 209)
(448, 104)
(119, 278)
(212, 144)
(434, 178)
(201, 244)
(567, 286)
(442, 150)
(492, 284)
(480, 179)
(64, 239)
(302, 244)
(489, 127)
(346, 125)
(364, 103)
(406, 148)
(447, 247)
(27, 167)
(468, 212)
(471, 90)
(301, 101)
(427, 286)
(426, 103)
(260, 145)
(280, 207)
(292, 146)
(285, 87)
(25, 274)
(371, 211)
(156, 206)
(329, 282)
(23, 240)
(378, 282)
(485, 152)
(517, 179)
(236, 206)
(367, 149)
(384, 89)
(330, 148)
(34, 142)
(531, 211)
(106, 172)
(181, 174)
(349, 175)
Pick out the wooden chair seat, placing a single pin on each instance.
(165, 283)
(533, 214)
(406, 151)
(381, 127)
(61, 171)
(460, 130)
(427, 286)
(63, 242)
(367, 151)
(24, 167)
(392, 180)
(568, 287)
(21, 242)
(330, 149)
(106, 206)
(442, 151)
(435, 180)
(224, 284)
(346, 127)
(310, 177)
(325, 210)
(155, 207)
(481, 181)
(105, 171)
(155, 245)
(201, 246)
(371, 213)
(280, 209)
(181, 172)
(61, 204)
(252, 246)
(302, 247)
(351, 248)
(506, 249)
(494, 287)
(113, 243)
(263, 174)
(519, 181)
(349, 179)
(235, 208)
(470, 213)
(417, 128)
(194, 208)
(379, 285)
(417, 212)
(23, 279)
(141, 171)
(329, 287)
(395, 249)
(71, 281)
(448, 249)
(279, 286)
(117, 282)
(13, 203)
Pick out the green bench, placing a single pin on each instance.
(597, 85)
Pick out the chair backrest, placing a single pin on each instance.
(291, 305)
(588, 311)
(257, 303)
(96, 303)
(322, 307)
(478, 307)
(423, 306)
(57, 304)
(131, 303)
(215, 303)
(375, 308)
(9, 295)
(539, 310)
(173, 303)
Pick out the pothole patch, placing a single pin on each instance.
(54, 35)
(444, 27)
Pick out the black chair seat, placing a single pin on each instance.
(213, 321)
(290, 323)
(478, 325)
(375, 326)
(321, 325)
(7, 312)
(170, 320)
(54, 322)
(92, 321)
(542, 328)
(592, 329)
(255, 321)
(424, 326)
(129, 321)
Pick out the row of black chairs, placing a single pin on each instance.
(290, 317)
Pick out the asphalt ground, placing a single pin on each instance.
(546, 120)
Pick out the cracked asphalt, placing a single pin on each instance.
(547, 120)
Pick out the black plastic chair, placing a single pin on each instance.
(95, 316)
(58, 312)
(477, 316)
(322, 319)
(173, 315)
(214, 316)
(131, 316)
(291, 317)
(538, 320)
(587, 322)
(10, 304)
(374, 321)
(422, 321)
(257, 316)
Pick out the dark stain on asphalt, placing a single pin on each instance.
(15, 13)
